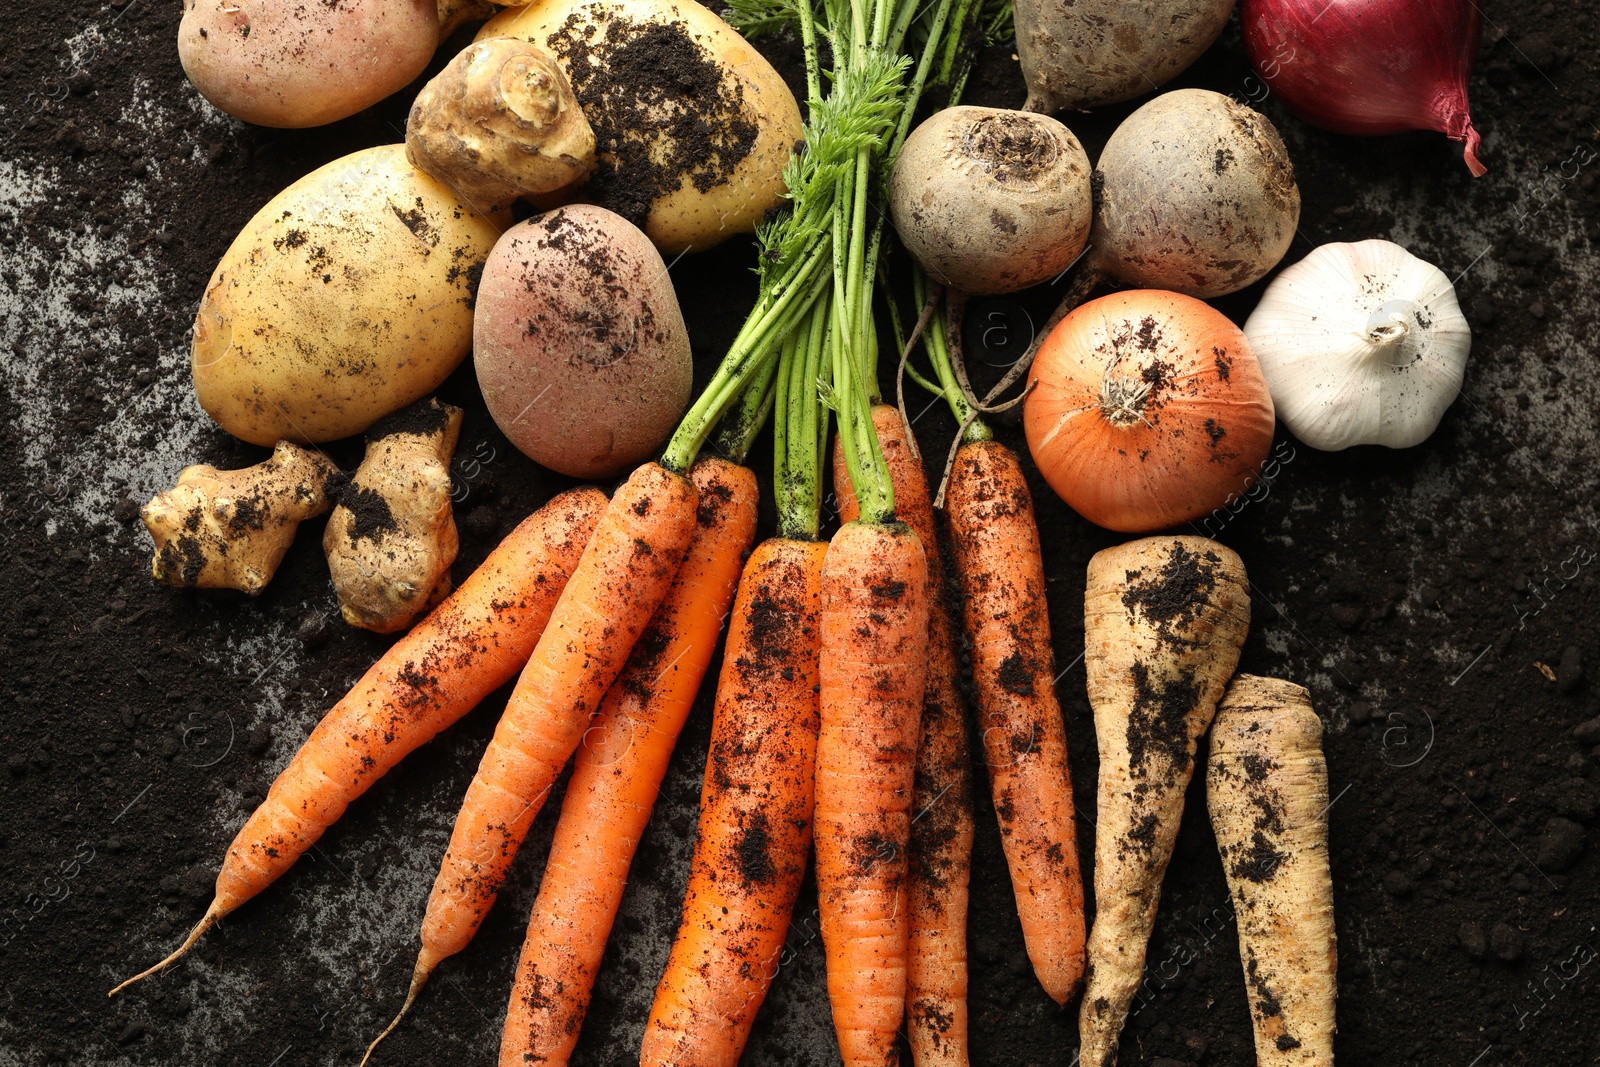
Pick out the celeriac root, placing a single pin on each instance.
(392, 538)
(1267, 788)
(230, 529)
(1164, 620)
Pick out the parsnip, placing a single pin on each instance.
(1267, 788)
(1164, 620)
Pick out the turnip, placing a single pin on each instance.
(1084, 53)
(991, 201)
(1195, 194)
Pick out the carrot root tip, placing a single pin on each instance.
(207, 921)
(419, 978)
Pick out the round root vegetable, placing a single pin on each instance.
(1267, 789)
(1084, 53)
(392, 538)
(1164, 620)
(579, 344)
(692, 158)
(348, 296)
(280, 63)
(1196, 194)
(991, 201)
(500, 122)
(1147, 410)
(230, 529)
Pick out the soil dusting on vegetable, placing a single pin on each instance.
(1439, 603)
(662, 112)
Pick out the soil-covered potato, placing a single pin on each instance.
(579, 344)
(347, 297)
(1194, 193)
(692, 125)
(1085, 53)
(278, 63)
(991, 201)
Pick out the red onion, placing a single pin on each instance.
(1369, 66)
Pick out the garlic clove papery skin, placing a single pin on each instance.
(1361, 344)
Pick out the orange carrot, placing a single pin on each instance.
(755, 816)
(1001, 574)
(466, 648)
(942, 826)
(872, 664)
(617, 775)
(622, 578)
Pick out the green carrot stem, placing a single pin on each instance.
(743, 425)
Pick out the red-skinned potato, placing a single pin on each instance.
(579, 343)
(293, 63)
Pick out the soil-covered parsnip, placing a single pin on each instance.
(392, 537)
(500, 122)
(1164, 620)
(230, 529)
(1267, 789)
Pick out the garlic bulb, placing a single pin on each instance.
(1361, 344)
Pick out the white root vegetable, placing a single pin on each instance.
(1084, 53)
(392, 537)
(230, 529)
(1164, 620)
(500, 122)
(991, 201)
(1267, 789)
(1196, 194)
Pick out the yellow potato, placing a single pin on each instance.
(691, 163)
(347, 297)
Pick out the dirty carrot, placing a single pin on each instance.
(942, 826)
(637, 548)
(755, 817)
(1267, 790)
(617, 775)
(1164, 620)
(873, 665)
(999, 570)
(467, 647)
(755, 802)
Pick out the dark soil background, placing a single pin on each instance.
(1439, 602)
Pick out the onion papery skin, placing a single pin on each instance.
(1370, 67)
(1199, 434)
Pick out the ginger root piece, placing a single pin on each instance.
(392, 537)
(230, 529)
(500, 122)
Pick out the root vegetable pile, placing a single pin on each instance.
(838, 728)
